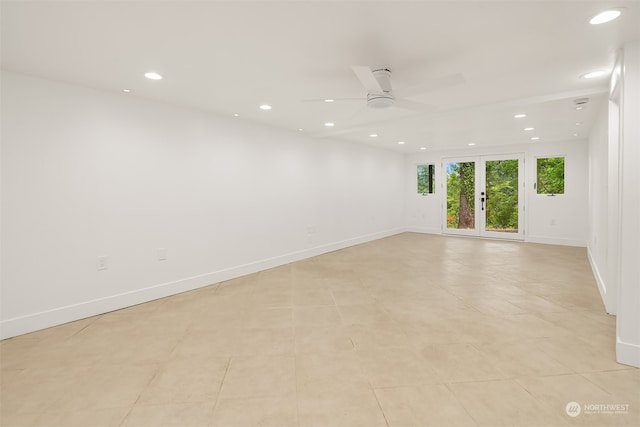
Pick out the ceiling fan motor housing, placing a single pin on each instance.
(384, 99)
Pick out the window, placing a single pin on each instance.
(426, 179)
(550, 175)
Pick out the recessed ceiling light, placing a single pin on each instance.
(329, 124)
(153, 75)
(127, 90)
(300, 129)
(265, 107)
(520, 116)
(401, 142)
(575, 134)
(373, 135)
(329, 100)
(423, 148)
(471, 144)
(579, 107)
(595, 74)
(529, 129)
(236, 115)
(606, 16)
(578, 123)
(535, 138)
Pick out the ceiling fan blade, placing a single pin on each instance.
(413, 106)
(357, 114)
(342, 131)
(366, 77)
(433, 84)
(364, 127)
(330, 100)
(336, 132)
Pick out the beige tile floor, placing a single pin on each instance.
(412, 330)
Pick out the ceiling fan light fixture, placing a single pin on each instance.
(376, 100)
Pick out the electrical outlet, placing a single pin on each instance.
(101, 262)
(162, 254)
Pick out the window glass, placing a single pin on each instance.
(426, 179)
(550, 175)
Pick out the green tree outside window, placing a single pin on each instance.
(550, 175)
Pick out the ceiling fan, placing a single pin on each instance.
(380, 93)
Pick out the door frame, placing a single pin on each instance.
(480, 215)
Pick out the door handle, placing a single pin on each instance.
(482, 200)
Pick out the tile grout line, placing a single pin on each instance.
(295, 379)
(373, 390)
(453, 393)
(215, 405)
(143, 389)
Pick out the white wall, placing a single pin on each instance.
(561, 219)
(88, 173)
(598, 241)
(628, 318)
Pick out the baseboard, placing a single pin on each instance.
(46, 319)
(529, 239)
(423, 230)
(555, 241)
(606, 300)
(628, 354)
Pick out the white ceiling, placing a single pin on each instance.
(230, 57)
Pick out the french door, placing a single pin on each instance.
(483, 196)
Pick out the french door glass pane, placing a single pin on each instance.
(501, 189)
(461, 185)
